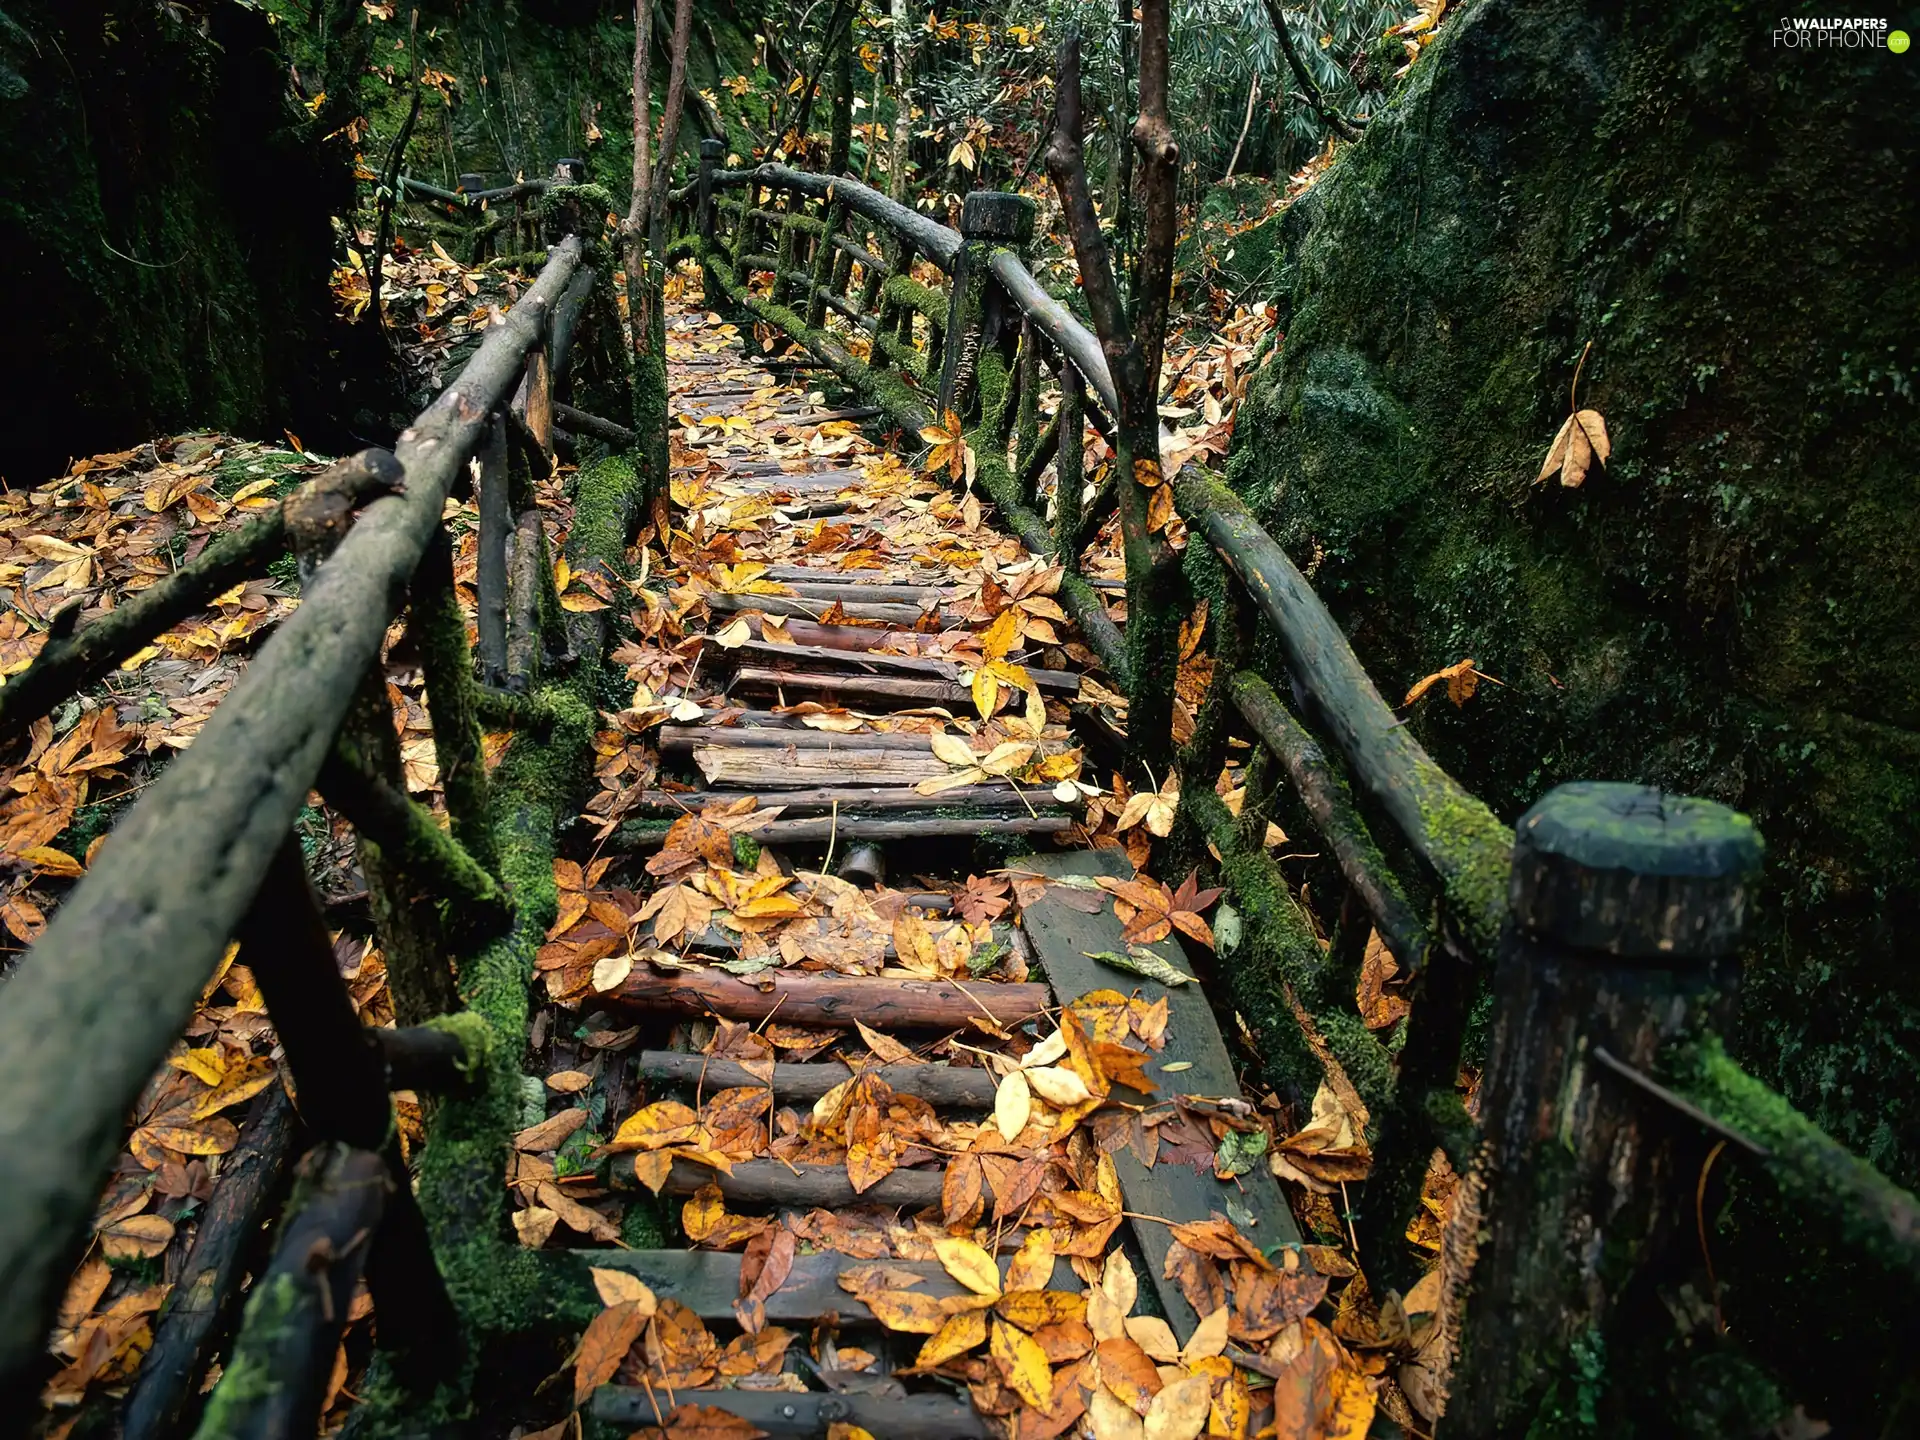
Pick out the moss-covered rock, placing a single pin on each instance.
(166, 224)
(1726, 608)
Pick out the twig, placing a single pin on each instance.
(1329, 117)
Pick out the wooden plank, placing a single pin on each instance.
(1061, 937)
(851, 799)
(708, 1281)
(773, 1184)
(961, 1087)
(890, 614)
(795, 767)
(1060, 682)
(747, 737)
(820, 829)
(760, 680)
(785, 1415)
(806, 998)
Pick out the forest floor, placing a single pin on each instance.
(900, 669)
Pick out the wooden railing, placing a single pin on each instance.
(1607, 926)
(209, 855)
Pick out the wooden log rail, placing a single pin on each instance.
(973, 332)
(207, 855)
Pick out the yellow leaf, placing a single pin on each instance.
(1179, 1412)
(969, 1264)
(951, 749)
(986, 692)
(1209, 1337)
(960, 1334)
(1012, 1105)
(1113, 1418)
(617, 1287)
(1058, 1085)
(1351, 1414)
(1001, 636)
(905, 1311)
(533, 1225)
(1032, 1265)
(1024, 1363)
(1155, 1336)
(138, 1237)
(207, 1065)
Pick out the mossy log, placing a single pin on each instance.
(932, 239)
(1328, 801)
(227, 1247)
(1448, 828)
(1818, 1176)
(112, 982)
(276, 1380)
(406, 830)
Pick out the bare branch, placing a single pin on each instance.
(670, 120)
(1067, 164)
(1329, 117)
(1160, 175)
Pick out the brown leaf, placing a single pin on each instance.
(604, 1347)
(1129, 1372)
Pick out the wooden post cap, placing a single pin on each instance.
(1629, 871)
(997, 216)
(712, 149)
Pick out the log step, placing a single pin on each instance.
(819, 829)
(855, 800)
(906, 616)
(965, 1088)
(772, 1183)
(805, 998)
(783, 1415)
(803, 767)
(931, 667)
(708, 1282)
(746, 737)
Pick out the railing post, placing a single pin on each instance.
(989, 219)
(1626, 911)
(711, 154)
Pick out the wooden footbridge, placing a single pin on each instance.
(953, 1155)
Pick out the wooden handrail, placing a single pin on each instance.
(97, 1001)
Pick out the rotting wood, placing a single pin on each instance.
(276, 1379)
(799, 1187)
(707, 1282)
(227, 1246)
(618, 436)
(966, 1088)
(741, 737)
(802, 998)
(803, 768)
(790, 1416)
(820, 829)
(1061, 937)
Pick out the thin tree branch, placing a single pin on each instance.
(1246, 124)
(1329, 117)
(670, 120)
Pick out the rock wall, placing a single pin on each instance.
(1729, 607)
(164, 214)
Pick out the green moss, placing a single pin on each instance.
(250, 1374)
(901, 290)
(1672, 621)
